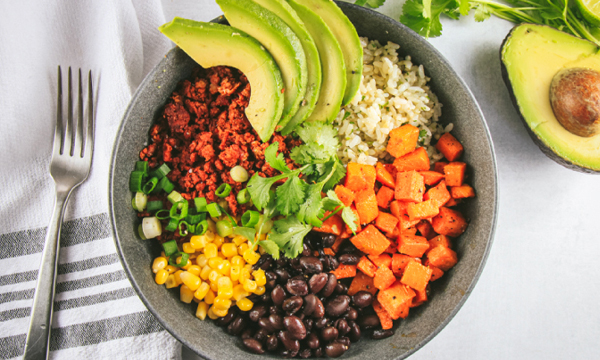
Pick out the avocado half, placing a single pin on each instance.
(531, 55)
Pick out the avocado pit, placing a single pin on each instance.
(575, 99)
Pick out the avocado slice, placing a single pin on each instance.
(211, 44)
(347, 37)
(531, 56)
(313, 63)
(332, 62)
(280, 40)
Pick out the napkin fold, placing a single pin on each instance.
(97, 314)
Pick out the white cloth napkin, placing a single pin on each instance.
(97, 313)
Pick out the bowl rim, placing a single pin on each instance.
(492, 231)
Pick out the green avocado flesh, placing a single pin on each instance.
(332, 62)
(531, 56)
(211, 44)
(347, 37)
(280, 40)
(313, 63)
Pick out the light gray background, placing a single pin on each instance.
(538, 295)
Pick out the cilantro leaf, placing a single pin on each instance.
(288, 233)
(423, 16)
(482, 12)
(276, 160)
(350, 218)
(338, 174)
(312, 210)
(373, 4)
(259, 187)
(290, 196)
(248, 233)
(320, 143)
(270, 247)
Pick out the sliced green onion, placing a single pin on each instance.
(166, 185)
(200, 203)
(266, 227)
(172, 225)
(224, 228)
(182, 262)
(161, 171)
(214, 210)
(238, 174)
(154, 205)
(188, 228)
(223, 190)
(141, 232)
(141, 166)
(135, 181)
(174, 197)
(201, 227)
(159, 214)
(195, 218)
(151, 227)
(182, 206)
(150, 185)
(140, 201)
(250, 218)
(170, 247)
(243, 196)
(133, 204)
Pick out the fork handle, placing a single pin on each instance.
(38, 336)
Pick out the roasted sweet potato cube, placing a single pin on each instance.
(384, 196)
(366, 205)
(425, 229)
(455, 173)
(431, 178)
(449, 222)
(423, 210)
(384, 176)
(384, 278)
(360, 176)
(462, 192)
(442, 257)
(403, 140)
(366, 266)
(439, 166)
(440, 240)
(384, 318)
(409, 186)
(416, 276)
(399, 262)
(333, 225)
(386, 222)
(398, 208)
(439, 194)
(383, 260)
(345, 195)
(420, 298)
(449, 146)
(345, 271)
(412, 245)
(361, 282)
(371, 241)
(396, 300)
(417, 160)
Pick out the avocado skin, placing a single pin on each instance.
(536, 140)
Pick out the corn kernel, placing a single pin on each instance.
(234, 272)
(201, 260)
(220, 312)
(260, 290)
(195, 269)
(190, 280)
(171, 269)
(214, 276)
(202, 310)
(225, 292)
(242, 248)
(261, 250)
(210, 233)
(202, 291)
(161, 276)
(245, 304)
(171, 282)
(263, 237)
(224, 267)
(239, 292)
(185, 294)
(251, 257)
(229, 249)
(205, 272)
(244, 275)
(198, 241)
(222, 303)
(259, 277)
(159, 264)
(249, 285)
(239, 240)
(178, 277)
(237, 260)
(210, 297)
(224, 282)
(248, 267)
(187, 264)
(214, 262)
(214, 286)
(210, 250)
(211, 314)
(218, 240)
(188, 248)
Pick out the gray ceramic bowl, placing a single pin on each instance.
(447, 294)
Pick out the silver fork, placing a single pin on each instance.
(69, 167)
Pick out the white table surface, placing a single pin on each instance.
(537, 297)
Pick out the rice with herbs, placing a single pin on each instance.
(393, 92)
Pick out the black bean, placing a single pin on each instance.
(276, 321)
(264, 323)
(288, 354)
(225, 320)
(310, 302)
(382, 334)
(306, 250)
(328, 240)
(314, 240)
(292, 304)
(349, 259)
(321, 323)
(278, 295)
(312, 341)
(330, 263)
(351, 314)
(362, 299)
(295, 327)
(265, 298)
(319, 311)
(317, 282)
(272, 343)
(295, 264)
(311, 265)
(247, 334)
(271, 280)
(236, 326)
(275, 310)
(297, 287)
(344, 340)
(329, 286)
(341, 288)
(329, 333)
(347, 247)
(337, 306)
(264, 262)
(261, 335)
(304, 354)
(282, 276)
(253, 346)
(281, 262)
(335, 349)
(257, 312)
(288, 341)
(318, 352)
(308, 324)
(342, 326)
(354, 333)
(368, 321)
